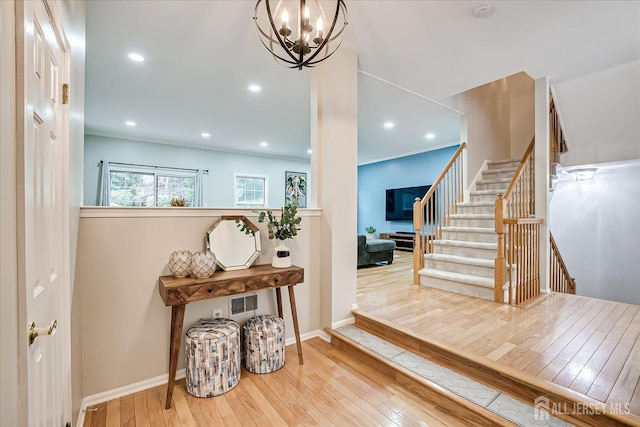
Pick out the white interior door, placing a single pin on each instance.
(42, 218)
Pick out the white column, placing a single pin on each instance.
(542, 175)
(334, 169)
(12, 390)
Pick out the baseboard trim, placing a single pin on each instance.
(303, 337)
(348, 321)
(105, 396)
(325, 336)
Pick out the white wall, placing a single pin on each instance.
(121, 254)
(73, 15)
(601, 115)
(597, 228)
(9, 389)
(218, 184)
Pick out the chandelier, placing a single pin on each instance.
(297, 43)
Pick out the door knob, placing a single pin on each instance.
(35, 332)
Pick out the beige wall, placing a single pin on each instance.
(522, 113)
(500, 118)
(487, 112)
(125, 324)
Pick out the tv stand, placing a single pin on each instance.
(404, 239)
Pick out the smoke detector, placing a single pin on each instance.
(484, 11)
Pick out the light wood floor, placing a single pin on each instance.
(587, 345)
(331, 389)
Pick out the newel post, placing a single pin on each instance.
(500, 262)
(418, 252)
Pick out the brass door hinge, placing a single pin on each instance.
(65, 93)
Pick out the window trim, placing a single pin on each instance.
(237, 175)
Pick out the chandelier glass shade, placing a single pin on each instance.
(299, 33)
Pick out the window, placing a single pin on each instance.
(150, 186)
(251, 191)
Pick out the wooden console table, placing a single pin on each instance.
(404, 241)
(177, 293)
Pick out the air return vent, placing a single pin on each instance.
(242, 304)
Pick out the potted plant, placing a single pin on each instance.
(281, 228)
(178, 201)
(371, 232)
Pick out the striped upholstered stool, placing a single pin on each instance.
(213, 357)
(263, 344)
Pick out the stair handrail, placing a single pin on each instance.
(518, 252)
(527, 161)
(557, 139)
(560, 279)
(448, 189)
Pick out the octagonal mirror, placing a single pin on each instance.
(233, 248)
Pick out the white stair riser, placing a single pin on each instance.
(461, 288)
(470, 236)
(490, 174)
(472, 222)
(502, 186)
(460, 275)
(456, 267)
(484, 198)
(490, 198)
(465, 251)
(488, 209)
(510, 165)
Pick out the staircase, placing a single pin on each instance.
(462, 260)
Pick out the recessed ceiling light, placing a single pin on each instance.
(388, 125)
(430, 136)
(263, 144)
(484, 11)
(136, 57)
(309, 151)
(205, 135)
(130, 123)
(255, 88)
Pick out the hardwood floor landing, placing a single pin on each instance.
(587, 345)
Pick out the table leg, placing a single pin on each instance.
(177, 318)
(279, 299)
(294, 313)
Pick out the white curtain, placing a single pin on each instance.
(104, 195)
(198, 197)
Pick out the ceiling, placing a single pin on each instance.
(201, 56)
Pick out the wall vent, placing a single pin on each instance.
(243, 304)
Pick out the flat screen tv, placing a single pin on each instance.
(399, 202)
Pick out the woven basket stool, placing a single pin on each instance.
(212, 347)
(263, 344)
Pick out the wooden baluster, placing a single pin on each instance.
(538, 257)
(531, 260)
(418, 254)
